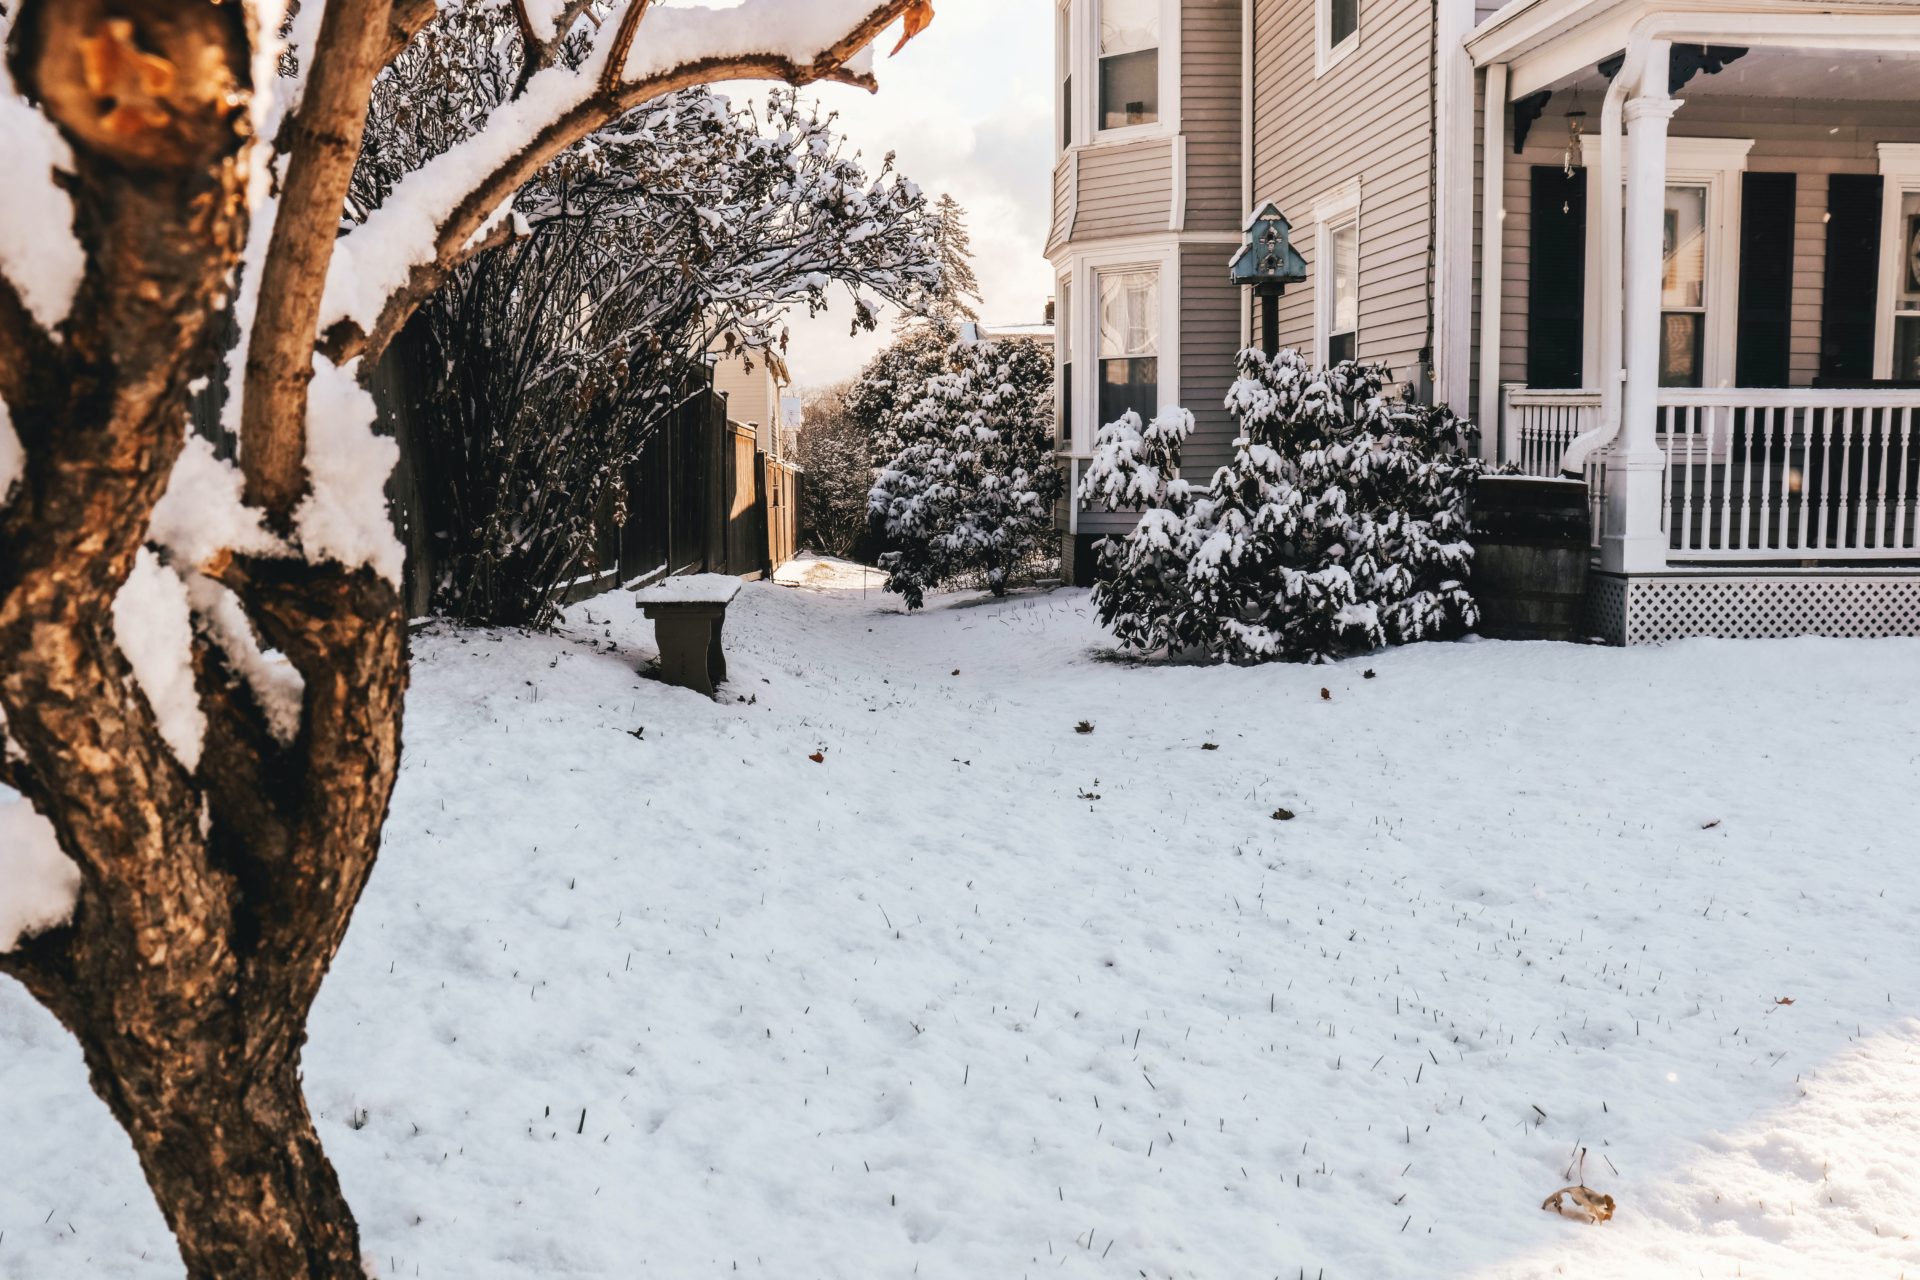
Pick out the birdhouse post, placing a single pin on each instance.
(1267, 263)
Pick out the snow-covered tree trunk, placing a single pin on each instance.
(217, 811)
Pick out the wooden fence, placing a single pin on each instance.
(701, 497)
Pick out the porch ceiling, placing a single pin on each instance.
(1550, 42)
(1805, 76)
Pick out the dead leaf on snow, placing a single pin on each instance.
(1784, 1000)
(1283, 815)
(1708, 826)
(1209, 746)
(1581, 1203)
(1326, 695)
(818, 757)
(1085, 726)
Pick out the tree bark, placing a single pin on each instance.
(231, 1155)
(212, 899)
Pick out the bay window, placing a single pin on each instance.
(1063, 343)
(1129, 343)
(1129, 63)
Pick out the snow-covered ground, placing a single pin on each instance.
(878, 968)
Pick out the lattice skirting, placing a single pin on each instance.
(1648, 610)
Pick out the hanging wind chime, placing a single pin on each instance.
(1576, 126)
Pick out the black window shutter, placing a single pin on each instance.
(1851, 294)
(1766, 280)
(1557, 277)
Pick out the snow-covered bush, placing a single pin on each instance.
(1338, 527)
(891, 383)
(541, 370)
(971, 487)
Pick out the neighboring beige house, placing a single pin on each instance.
(1755, 288)
(753, 383)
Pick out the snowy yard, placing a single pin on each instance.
(642, 989)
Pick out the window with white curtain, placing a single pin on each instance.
(1129, 63)
(1063, 330)
(1129, 343)
(1683, 287)
(1343, 310)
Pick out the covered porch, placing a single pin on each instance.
(1753, 287)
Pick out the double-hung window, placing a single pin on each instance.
(1684, 255)
(1343, 320)
(1129, 343)
(1335, 273)
(1129, 63)
(1336, 28)
(1063, 43)
(1906, 290)
(1063, 329)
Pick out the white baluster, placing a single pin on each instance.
(1769, 419)
(1902, 514)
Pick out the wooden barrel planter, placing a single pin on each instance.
(1531, 547)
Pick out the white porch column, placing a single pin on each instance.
(1635, 541)
(1493, 207)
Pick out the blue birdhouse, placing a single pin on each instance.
(1268, 257)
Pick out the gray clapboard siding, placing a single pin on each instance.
(1369, 117)
(1062, 202)
(1209, 342)
(1210, 112)
(1124, 189)
(1809, 138)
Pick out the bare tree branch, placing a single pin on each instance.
(622, 45)
(325, 140)
(404, 23)
(346, 340)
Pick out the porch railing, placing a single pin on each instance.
(1756, 473)
(1537, 425)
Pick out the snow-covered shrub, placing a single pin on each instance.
(971, 487)
(892, 383)
(537, 375)
(1339, 526)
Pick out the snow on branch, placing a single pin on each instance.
(38, 883)
(39, 256)
(428, 224)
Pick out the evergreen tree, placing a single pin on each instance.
(973, 485)
(958, 283)
(1339, 526)
(893, 382)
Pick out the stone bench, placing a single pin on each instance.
(687, 613)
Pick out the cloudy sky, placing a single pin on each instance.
(967, 109)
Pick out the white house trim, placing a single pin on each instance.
(1085, 60)
(1716, 164)
(1452, 354)
(1160, 254)
(1326, 54)
(1246, 149)
(1900, 176)
(1177, 198)
(1558, 38)
(1493, 216)
(1330, 211)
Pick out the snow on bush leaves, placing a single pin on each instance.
(972, 486)
(1338, 527)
